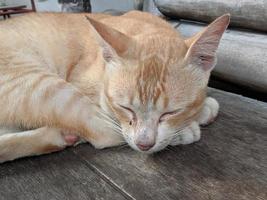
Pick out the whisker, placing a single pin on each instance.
(168, 148)
(123, 145)
(112, 124)
(180, 130)
(106, 116)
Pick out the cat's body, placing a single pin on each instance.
(59, 71)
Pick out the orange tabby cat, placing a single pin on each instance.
(110, 80)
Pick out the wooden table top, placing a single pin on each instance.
(228, 163)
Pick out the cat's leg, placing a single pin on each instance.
(33, 142)
(33, 97)
(6, 130)
(188, 135)
(209, 111)
(106, 138)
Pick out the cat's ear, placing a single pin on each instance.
(203, 46)
(114, 39)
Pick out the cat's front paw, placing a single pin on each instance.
(58, 138)
(188, 135)
(70, 138)
(209, 111)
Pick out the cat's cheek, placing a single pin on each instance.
(129, 137)
(163, 138)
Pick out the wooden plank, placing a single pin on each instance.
(149, 6)
(228, 163)
(244, 13)
(12, 7)
(55, 177)
(34, 7)
(221, 84)
(12, 12)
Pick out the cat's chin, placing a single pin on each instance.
(153, 150)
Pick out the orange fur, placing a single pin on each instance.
(63, 70)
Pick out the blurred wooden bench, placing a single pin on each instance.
(7, 11)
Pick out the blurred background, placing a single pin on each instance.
(242, 55)
(77, 5)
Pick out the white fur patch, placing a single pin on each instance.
(188, 135)
(209, 111)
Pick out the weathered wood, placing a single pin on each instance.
(13, 12)
(125, 5)
(149, 6)
(6, 11)
(228, 163)
(221, 84)
(244, 13)
(242, 56)
(54, 177)
(33, 6)
(4, 8)
(79, 6)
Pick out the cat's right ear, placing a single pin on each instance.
(113, 40)
(202, 47)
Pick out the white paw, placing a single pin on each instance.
(189, 135)
(209, 111)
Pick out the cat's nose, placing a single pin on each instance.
(145, 138)
(144, 147)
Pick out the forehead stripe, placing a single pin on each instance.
(150, 80)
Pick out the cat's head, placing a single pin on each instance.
(156, 85)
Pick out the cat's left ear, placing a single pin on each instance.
(203, 46)
(113, 40)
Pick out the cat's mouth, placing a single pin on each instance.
(148, 148)
(145, 147)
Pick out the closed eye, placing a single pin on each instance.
(128, 110)
(167, 115)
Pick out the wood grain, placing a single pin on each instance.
(244, 13)
(229, 163)
(53, 177)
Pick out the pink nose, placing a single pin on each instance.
(145, 147)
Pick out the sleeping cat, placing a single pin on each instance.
(107, 80)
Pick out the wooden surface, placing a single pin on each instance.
(250, 14)
(149, 6)
(8, 10)
(12, 7)
(230, 162)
